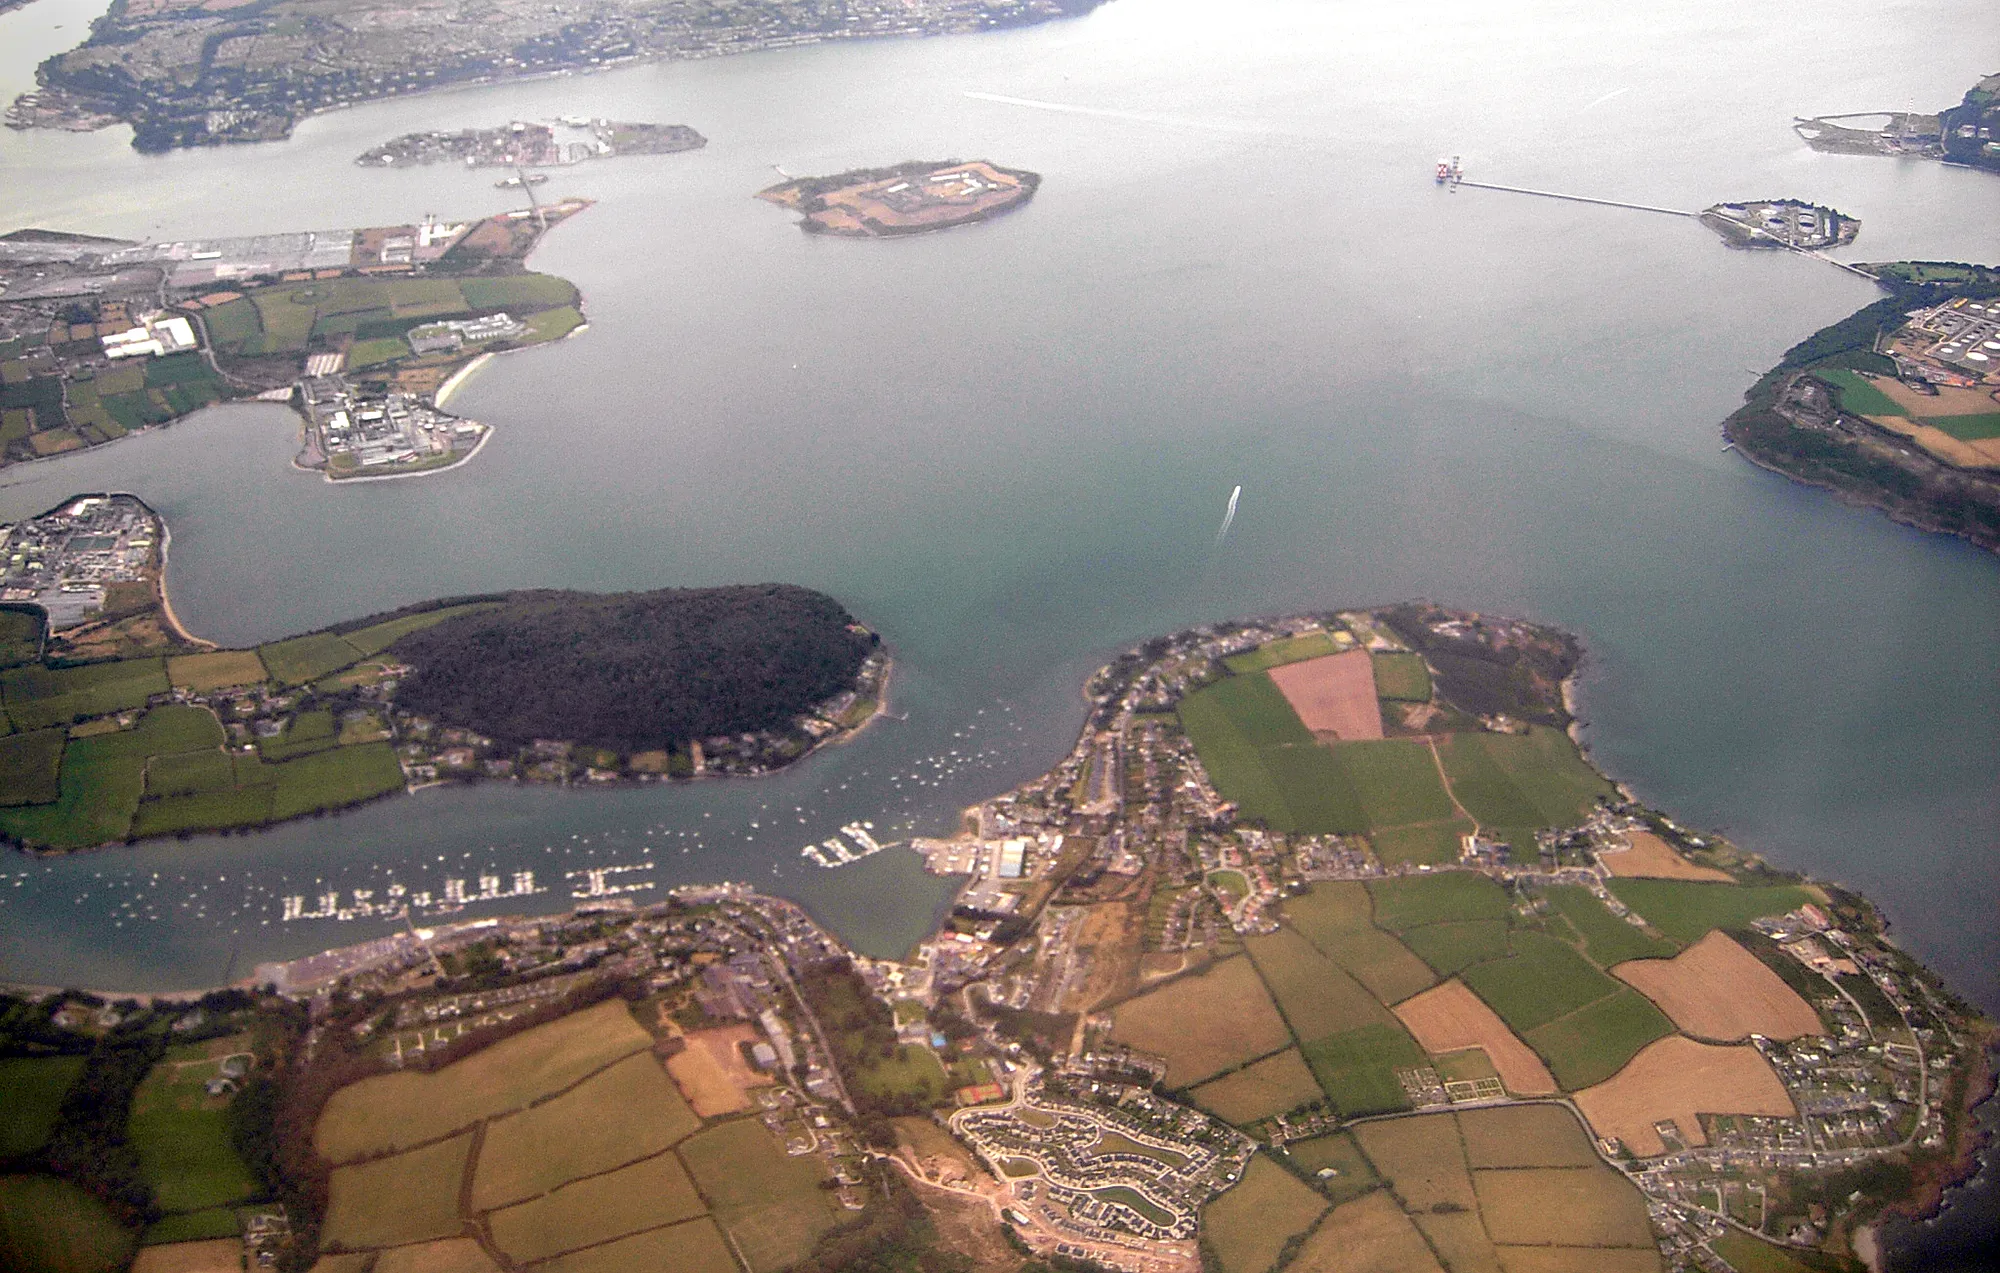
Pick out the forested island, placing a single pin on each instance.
(1325, 937)
(1896, 406)
(169, 737)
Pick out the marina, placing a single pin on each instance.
(833, 852)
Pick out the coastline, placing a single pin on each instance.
(174, 623)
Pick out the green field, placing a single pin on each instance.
(633, 1107)
(193, 1226)
(769, 1202)
(51, 1226)
(20, 636)
(1336, 1163)
(377, 637)
(1314, 995)
(307, 658)
(643, 1195)
(1335, 916)
(304, 734)
(31, 767)
(214, 670)
(31, 1093)
(1607, 939)
(1450, 948)
(1857, 394)
(1543, 979)
(1402, 677)
(103, 776)
(1397, 782)
(1750, 1255)
(1537, 779)
(1310, 645)
(554, 324)
(363, 354)
(518, 292)
(1968, 428)
(1411, 901)
(1432, 845)
(1685, 910)
(187, 772)
(1260, 756)
(335, 779)
(1594, 1043)
(1357, 1068)
(182, 1136)
(38, 697)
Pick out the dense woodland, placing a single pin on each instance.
(634, 671)
(1523, 681)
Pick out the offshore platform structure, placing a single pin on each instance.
(1450, 173)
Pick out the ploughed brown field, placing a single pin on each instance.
(1449, 1017)
(711, 1072)
(1652, 858)
(1333, 694)
(1677, 1079)
(1717, 990)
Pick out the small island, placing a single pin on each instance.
(572, 139)
(1896, 406)
(1789, 224)
(365, 332)
(1967, 134)
(910, 198)
(124, 727)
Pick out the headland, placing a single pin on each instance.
(1967, 134)
(573, 139)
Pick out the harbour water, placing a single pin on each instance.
(1007, 447)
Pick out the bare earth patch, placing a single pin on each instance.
(221, 1255)
(1652, 858)
(1717, 990)
(1449, 1017)
(711, 1071)
(1677, 1079)
(1333, 695)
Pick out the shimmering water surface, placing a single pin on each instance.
(1008, 447)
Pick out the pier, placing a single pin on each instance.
(1575, 198)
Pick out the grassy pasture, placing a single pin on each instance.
(1408, 901)
(409, 1197)
(1594, 1043)
(1607, 939)
(377, 637)
(20, 635)
(215, 670)
(693, 1247)
(1250, 1223)
(1204, 1024)
(307, 658)
(1335, 917)
(1537, 779)
(1357, 1068)
(627, 1112)
(38, 697)
(770, 1203)
(642, 1196)
(31, 1094)
(1315, 996)
(518, 291)
(1857, 394)
(1433, 844)
(1259, 755)
(186, 772)
(232, 324)
(389, 1111)
(554, 324)
(182, 1139)
(1525, 1136)
(1451, 948)
(1274, 1085)
(103, 777)
(1310, 645)
(1397, 782)
(1686, 910)
(1563, 1206)
(31, 767)
(1368, 1235)
(1421, 1158)
(1402, 677)
(203, 811)
(1543, 979)
(51, 1226)
(1968, 428)
(183, 1227)
(303, 735)
(334, 779)
(1752, 1255)
(1350, 1175)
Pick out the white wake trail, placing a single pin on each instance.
(1131, 117)
(1616, 92)
(1228, 516)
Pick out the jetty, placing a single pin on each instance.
(1575, 198)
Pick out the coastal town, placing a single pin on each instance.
(1100, 1050)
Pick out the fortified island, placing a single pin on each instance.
(1324, 940)
(1896, 406)
(212, 72)
(365, 332)
(522, 144)
(916, 197)
(120, 726)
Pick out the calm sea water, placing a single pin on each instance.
(1008, 447)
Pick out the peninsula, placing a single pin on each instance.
(1896, 406)
(1324, 937)
(521, 144)
(916, 197)
(362, 331)
(1966, 134)
(121, 727)
(209, 72)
